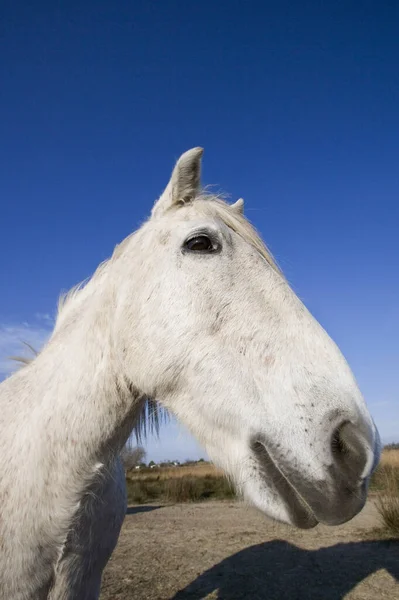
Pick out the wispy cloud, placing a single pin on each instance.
(13, 336)
(45, 318)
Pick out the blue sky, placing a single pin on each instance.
(296, 105)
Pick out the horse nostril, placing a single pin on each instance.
(349, 449)
(338, 446)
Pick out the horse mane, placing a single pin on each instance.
(236, 221)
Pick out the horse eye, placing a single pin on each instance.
(200, 243)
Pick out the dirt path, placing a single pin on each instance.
(231, 552)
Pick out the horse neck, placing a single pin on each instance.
(75, 409)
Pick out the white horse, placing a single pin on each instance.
(191, 311)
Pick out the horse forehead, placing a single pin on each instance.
(182, 221)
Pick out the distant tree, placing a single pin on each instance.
(201, 460)
(132, 456)
(151, 463)
(392, 446)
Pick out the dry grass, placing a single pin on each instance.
(385, 482)
(390, 458)
(388, 500)
(180, 484)
(200, 470)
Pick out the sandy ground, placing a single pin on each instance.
(227, 551)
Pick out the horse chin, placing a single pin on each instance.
(274, 495)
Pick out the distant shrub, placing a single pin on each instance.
(194, 489)
(132, 456)
(392, 446)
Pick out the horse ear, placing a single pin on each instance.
(238, 206)
(184, 183)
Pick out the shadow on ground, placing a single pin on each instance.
(134, 510)
(278, 570)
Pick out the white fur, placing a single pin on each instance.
(222, 342)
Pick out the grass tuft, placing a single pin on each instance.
(387, 483)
